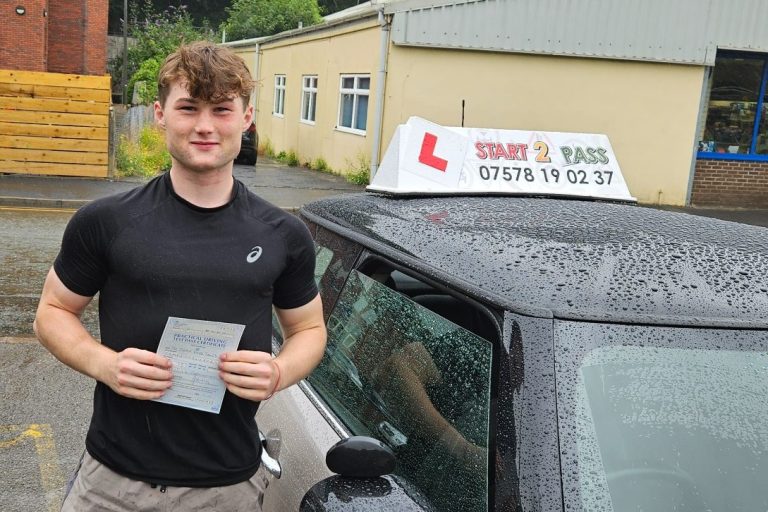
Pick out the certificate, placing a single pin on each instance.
(194, 347)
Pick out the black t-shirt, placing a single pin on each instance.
(151, 254)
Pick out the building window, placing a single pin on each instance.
(736, 126)
(279, 109)
(353, 103)
(308, 99)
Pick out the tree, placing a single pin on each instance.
(331, 6)
(202, 12)
(157, 35)
(257, 18)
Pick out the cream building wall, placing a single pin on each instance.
(249, 55)
(351, 49)
(649, 111)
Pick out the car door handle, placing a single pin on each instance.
(270, 463)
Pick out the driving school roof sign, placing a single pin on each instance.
(426, 158)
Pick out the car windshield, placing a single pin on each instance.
(662, 418)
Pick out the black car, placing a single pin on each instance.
(528, 354)
(249, 146)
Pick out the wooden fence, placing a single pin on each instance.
(54, 123)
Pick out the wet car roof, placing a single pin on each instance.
(569, 259)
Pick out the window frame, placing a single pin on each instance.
(356, 92)
(311, 90)
(278, 105)
(750, 156)
(364, 259)
(602, 335)
(366, 262)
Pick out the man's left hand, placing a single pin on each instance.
(249, 374)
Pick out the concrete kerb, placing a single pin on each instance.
(41, 203)
(283, 186)
(71, 204)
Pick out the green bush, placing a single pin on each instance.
(144, 158)
(146, 76)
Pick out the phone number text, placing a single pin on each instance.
(545, 174)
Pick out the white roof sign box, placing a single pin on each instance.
(425, 158)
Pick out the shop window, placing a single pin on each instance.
(736, 126)
(353, 103)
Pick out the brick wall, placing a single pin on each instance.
(23, 38)
(66, 19)
(96, 37)
(59, 36)
(736, 184)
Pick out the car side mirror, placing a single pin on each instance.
(361, 482)
(360, 457)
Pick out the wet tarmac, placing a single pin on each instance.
(283, 186)
(743, 216)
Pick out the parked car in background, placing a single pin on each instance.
(530, 354)
(249, 146)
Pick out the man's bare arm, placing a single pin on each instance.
(254, 375)
(304, 342)
(133, 372)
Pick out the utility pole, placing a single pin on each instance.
(125, 51)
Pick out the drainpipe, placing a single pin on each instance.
(380, 82)
(255, 77)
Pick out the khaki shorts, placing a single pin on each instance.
(95, 487)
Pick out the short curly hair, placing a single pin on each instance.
(210, 73)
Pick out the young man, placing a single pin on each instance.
(192, 243)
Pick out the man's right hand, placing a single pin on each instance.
(139, 374)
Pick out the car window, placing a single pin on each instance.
(396, 371)
(333, 273)
(662, 418)
(334, 257)
(323, 257)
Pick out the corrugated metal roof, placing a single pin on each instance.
(678, 31)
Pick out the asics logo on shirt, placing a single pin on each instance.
(254, 254)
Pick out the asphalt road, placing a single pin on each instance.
(45, 406)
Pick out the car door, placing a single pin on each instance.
(395, 369)
(297, 428)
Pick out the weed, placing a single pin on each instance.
(267, 149)
(320, 165)
(359, 170)
(292, 159)
(359, 177)
(146, 157)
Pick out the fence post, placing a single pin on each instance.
(111, 170)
